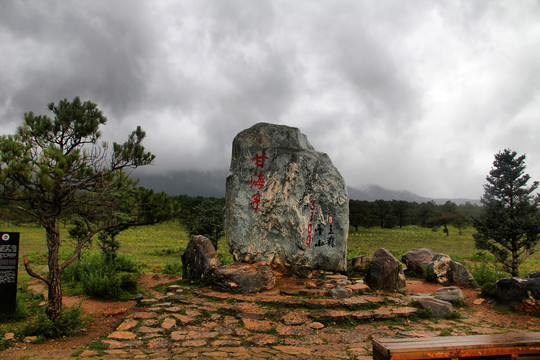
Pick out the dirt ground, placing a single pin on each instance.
(104, 317)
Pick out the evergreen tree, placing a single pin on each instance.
(510, 225)
(56, 169)
(207, 220)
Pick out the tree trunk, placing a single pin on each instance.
(515, 264)
(54, 306)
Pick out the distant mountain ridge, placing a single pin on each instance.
(375, 192)
(212, 183)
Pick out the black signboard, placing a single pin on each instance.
(9, 256)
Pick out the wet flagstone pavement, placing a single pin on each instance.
(187, 323)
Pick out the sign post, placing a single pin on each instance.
(9, 260)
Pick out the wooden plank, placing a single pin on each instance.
(457, 346)
(500, 340)
(462, 353)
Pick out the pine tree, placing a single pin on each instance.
(55, 169)
(510, 225)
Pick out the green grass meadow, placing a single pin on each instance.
(460, 247)
(161, 244)
(154, 245)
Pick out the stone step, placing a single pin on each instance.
(293, 301)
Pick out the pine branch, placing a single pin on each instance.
(33, 274)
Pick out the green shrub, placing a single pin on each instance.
(4, 344)
(102, 285)
(486, 278)
(225, 257)
(482, 256)
(102, 279)
(421, 314)
(69, 322)
(174, 268)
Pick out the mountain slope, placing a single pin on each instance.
(212, 183)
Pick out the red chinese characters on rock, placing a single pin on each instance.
(259, 160)
(310, 225)
(257, 180)
(256, 200)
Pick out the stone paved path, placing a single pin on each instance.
(203, 324)
(210, 325)
(287, 323)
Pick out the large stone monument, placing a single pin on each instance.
(286, 204)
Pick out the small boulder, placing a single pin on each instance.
(359, 264)
(385, 272)
(446, 271)
(449, 293)
(243, 278)
(340, 292)
(534, 274)
(520, 294)
(439, 308)
(199, 259)
(460, 274)
(417, 260)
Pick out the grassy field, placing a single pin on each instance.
(460, 247)
(162, 244)
(155, 246)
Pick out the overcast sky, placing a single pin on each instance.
(409, 95)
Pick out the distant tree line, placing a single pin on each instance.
(204, 215)
(399, 213)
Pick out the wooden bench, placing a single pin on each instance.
(501, 346)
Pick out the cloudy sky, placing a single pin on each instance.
(409, 95)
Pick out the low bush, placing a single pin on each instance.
(103, 279)
(225, 257)
(486, 277)
(69, 323)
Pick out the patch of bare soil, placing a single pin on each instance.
(103, 317)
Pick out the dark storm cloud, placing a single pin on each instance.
(93, 50)
(413, 95)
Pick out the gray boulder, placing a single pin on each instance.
(449, 293)
(520, 294)
(439, 308)
(359, 264)
(242, 278)
(385, 272)
(417, 260)
(340, 292)
(200, 259)
(446, 271)
(286, 204)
